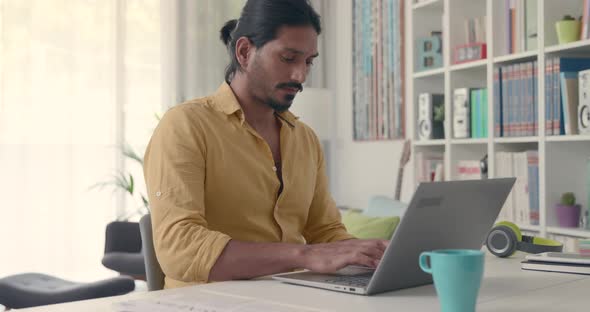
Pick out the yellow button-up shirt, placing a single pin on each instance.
(211, 178)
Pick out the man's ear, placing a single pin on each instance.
(244, 51)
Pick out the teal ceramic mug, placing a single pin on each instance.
(457, 275)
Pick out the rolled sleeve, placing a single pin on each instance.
(174, 169)
(324, 223)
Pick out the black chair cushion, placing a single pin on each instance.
(33, 289)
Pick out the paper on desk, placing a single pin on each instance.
(205, 301)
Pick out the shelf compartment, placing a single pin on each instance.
(581, 46)
(577, 232)
(465, 161)
(470, 65)
(469, 141)
(517, 140)
(567, 138)
(429, 73)
(428, 4)
(438, 142)
(516, 58)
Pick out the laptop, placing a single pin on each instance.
(441, 215)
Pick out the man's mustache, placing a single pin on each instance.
(294, 85)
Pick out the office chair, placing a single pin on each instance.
(123, 249)
(155, 276)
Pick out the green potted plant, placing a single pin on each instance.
(568, 29)
(568, 212)
(125, 182)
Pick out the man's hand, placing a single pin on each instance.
(331, 257)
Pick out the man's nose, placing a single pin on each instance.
(299, 74)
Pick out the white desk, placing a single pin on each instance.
(505, 288)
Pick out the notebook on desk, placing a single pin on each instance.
(441, 215)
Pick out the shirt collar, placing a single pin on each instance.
(225, 101)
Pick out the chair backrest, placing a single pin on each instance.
(154, 274)
(383, 206)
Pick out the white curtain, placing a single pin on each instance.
(66, 77)
(77, 79)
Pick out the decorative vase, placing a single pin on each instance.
(568, 216)
(567, 31)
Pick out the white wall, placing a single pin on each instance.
(359, 169)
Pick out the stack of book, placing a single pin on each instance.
(522, 205)
(558, 262)
(561, 94)
(515, 100)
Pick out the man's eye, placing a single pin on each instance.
(288, 59)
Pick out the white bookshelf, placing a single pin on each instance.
(562, 159)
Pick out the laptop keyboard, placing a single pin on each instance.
(361, 280)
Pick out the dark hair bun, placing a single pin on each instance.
(226, 30)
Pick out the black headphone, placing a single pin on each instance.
(505, 238)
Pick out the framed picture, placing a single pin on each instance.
(378, 70)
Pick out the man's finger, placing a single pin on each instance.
(363, 260)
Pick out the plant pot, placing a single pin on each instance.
(568, 216)
(567, 31)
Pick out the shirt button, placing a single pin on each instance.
(274, 168)
(158, 193)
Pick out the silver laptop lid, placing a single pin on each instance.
(441, 215)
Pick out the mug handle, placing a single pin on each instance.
(423, 264)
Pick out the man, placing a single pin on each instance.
(236, 183)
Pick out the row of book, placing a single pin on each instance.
(429, 166)
(518, 32)
(470, 113)
(515, 100)
(561, 94)
(475, 29)
(522, 205)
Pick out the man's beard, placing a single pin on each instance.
(278, 106)
(288, 98)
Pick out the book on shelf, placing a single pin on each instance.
(585, 33)
(561, 94)
(583, 116)
(461, 113)
(555, 267)
(522, 205)
(519, 26)
(584, 247)
(569, 101)
(516, 100)
(475, 29)
(498, 112)
(429, 166)
(479, 113)
(468, 170)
